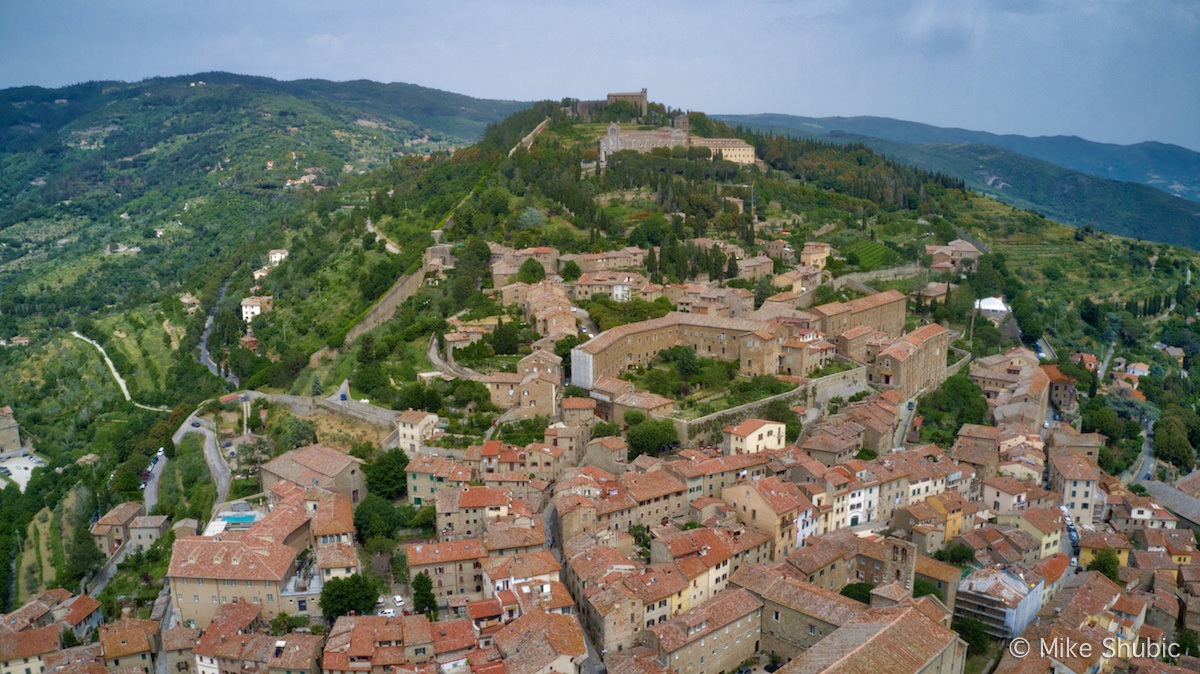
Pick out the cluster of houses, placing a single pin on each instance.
(696, 561)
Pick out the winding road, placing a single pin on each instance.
(212, 453)
(388, 244)
(205, 359)
(116, 375)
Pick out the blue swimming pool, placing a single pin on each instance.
(238, 519)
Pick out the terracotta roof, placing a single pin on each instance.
(337, 556)
(81, 607)
(180, 638)
(127, 636)
(750, 426)
(422, 554)
(453, 635)
(1103, 539)
(245, 559)
(28, 643)
(705, 619)
(414, 416)
(535, 640)
(892, 639)
(578, 403)
(121, 514)
(797, 595)
(521, 566)
(648, 486)
(308, 464)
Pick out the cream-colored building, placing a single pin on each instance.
(755, 435)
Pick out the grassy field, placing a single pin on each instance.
(871, 255)
(147, 339)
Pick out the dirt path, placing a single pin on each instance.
(117, 375)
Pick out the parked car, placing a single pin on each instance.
(397, 600)
(912, 405)
(161, 451)
(233, 453)
(388, 613)
(227, 444)
(195, 424)
(1074, 561)
(342, 397)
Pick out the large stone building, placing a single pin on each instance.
(911, 363)
(883, 311)
(636, 98)
(712, 638)
(796, 614)
(317, 466)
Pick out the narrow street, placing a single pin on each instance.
(150, 496)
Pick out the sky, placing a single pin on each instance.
(1119, 71)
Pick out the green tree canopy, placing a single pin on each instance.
(651, 437)
(531, 271)
(1106, 562)
(570, 272)
(974, 633)
(386, 474)
(859, 592)
(423, 599)
(340, 596)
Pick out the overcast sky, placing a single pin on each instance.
(1109, 70)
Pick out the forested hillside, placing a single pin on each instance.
(1073, 196)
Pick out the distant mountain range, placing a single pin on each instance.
(1123, 189)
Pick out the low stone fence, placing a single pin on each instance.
(306, 407)
(816, 391)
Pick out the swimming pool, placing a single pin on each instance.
(239, 519)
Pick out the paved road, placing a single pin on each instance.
(1145, 462)
(442, 365)
(212, 453)
(1104, 363)
(379, 236)
(106, 573)
(592, 328)
(116, 375)
(150, 496)
(906, 417)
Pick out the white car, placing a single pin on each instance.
(398, 600)
(161, 451)
(388, 613)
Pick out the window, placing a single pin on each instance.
(777, 616)
(812, 629)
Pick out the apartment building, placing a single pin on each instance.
(753, 436)
(207, 573)
(796, 615)
(413, 427)
(712, 638)
(454, 567)
(1077, 482)
(774, 507)
(428, 474)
